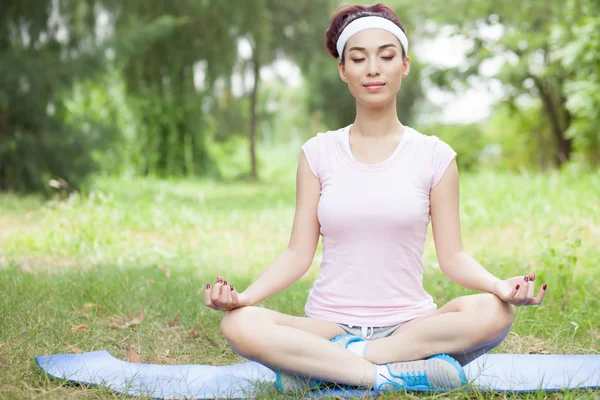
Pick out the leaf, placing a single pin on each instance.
(77, 329)
(74, 349)
(137, 320)
(174, 323)
(194, 333)
(133, 357)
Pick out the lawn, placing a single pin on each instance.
(76, 273)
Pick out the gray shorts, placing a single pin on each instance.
(463, 358)
(371, 333)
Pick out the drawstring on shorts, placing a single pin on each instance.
(364, 330)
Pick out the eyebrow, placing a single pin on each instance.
(380, 47)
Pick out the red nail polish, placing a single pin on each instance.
(208, 285)
(232, 288)
(517, 287)
(545, 286)
(225, 283)
(526, 279)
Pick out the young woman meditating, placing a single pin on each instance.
(370, 189)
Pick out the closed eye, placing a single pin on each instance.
(359, 60)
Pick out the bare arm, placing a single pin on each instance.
(296, 259)
(459, 266)
(293, 262)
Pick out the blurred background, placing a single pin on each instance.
(148, 146)
(230, 89)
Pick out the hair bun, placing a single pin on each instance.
(350, 13)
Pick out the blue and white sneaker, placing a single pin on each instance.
(291, 383)
(436, 373)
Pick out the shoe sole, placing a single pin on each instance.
(430, 388)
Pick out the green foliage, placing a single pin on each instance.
(43, 133)
(36, 143)
(568, 284)
(518, 138)
(153, 88)
(467, 140)
(580, 53)
(523, 37)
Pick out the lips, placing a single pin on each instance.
(374, 84)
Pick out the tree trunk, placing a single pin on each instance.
(564, 145)
(253, 116)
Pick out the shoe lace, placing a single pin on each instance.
(415, 379)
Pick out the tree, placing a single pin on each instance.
(44, 48)
(161, 78)
(277, 29)
(532, 68)
(579, 52)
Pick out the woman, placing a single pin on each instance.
(370, 189)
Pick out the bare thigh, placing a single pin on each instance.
(249, 316)
(455, 305)
(451, 306)
(488, 336)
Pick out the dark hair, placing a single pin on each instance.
(350, 13)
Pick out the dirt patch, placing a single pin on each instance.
(515, 344)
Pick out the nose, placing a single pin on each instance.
(373, 67)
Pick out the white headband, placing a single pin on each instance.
(371, 22)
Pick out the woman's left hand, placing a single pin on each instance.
(520, 291)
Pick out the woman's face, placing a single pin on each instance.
(374, 67)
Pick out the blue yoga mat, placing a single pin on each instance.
(489, 373)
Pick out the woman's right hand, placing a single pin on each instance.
(223, 296)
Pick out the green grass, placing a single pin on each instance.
(152, 244)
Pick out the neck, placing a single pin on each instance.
(374, 122)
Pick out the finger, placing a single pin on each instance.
(225, 297)
(514, 292)
(234, 297)
(521, 295)
(216, 293)
(540, 296)
(208, 298)
(531, 276)
(219, 278)
(531, 291)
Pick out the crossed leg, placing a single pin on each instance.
(294, 344)
(465, 328)
(301, 345)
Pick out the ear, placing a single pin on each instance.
(405, 66)
(342, 71)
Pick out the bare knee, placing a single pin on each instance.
(238, 328)
(497, 316)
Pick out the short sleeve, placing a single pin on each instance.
(442, 156)
(311, 150)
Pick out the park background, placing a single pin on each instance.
(148, 146)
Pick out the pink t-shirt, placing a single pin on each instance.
(374, 220)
